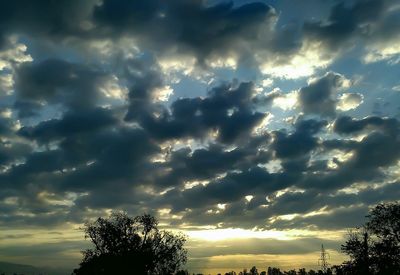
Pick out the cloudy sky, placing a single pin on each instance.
(259, 128)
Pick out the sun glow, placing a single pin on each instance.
(237, 233)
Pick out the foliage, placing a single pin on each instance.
(253, 271)
(375, 247)
(277, 271)
(125, 245)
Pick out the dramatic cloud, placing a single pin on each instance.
(227, 110)
(257, 119)
(193, 27)
(319, 96)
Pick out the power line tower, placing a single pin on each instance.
(323, 260)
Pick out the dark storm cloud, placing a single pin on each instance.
(123, 156)
(348, 125)
(299, 143)
(318, 96)
(371, 154)
(342, 210)
(47, 19)
(144, 77)
(6, 125)
(234, 186)
(345, 21)
(339, 219)
(102, 157)
(376, 150)
(75, 86)
(205, 163)
(73, 143)
(294, 202)
(10, 148)
(184, 26)
(72, 123)
(320, 183)
(105, 165)
(227, 109)
(11, 151)
(239, 184)
(190, 25)
(89, 150)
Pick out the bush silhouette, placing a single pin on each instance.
(125, 245)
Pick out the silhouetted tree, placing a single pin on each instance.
(253, 271)
(125, 245)
(357, 247)
(274, 271)
(375, 248)
(182, 272)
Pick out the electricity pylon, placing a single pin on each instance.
(323, 260)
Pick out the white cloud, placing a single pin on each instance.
(113, 89)
(163, 93)
(349, 101)
(396, 88)
(6, 84)
(267, 82)
(305, 62)
(387, 51)
(15, 54)
(223, 62)
(286, 101)
(177, 64)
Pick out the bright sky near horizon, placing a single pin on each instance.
(260, 128)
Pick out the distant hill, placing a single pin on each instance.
(11, 268)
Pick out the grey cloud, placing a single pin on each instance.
(318, 96)
(344, 210)
(345, 21)
(11, 149)
(143, 77)
(54, 81)
(260, 246)
(299, 143)
(228, 109)
(339, 219)
(6, 125)
(377, 150)
(206, 163)
(320, 182)
(90, 162)
(55, 20)
(239, 184)
(72, 123)
(348, 125)
(109, 162)
(191, 26)
(121, 155)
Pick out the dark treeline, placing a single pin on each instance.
(125, 245)
(268, 271)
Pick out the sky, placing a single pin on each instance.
(261, 129)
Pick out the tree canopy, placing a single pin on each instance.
(375, 247)
(125, 245)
